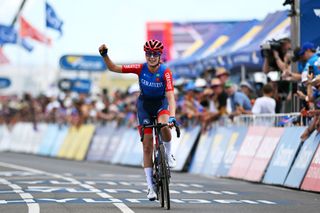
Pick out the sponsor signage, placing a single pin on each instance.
(4, 83)
(82, 62)
(75, 85)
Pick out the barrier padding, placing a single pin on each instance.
(6, 139)
(262, 157)
(302, 162)
(185, 145)
(133, 147)
(247, 151)
(48, 139)
(19, 137)
(37, 136)
(234, 144)
(56, 146)
(201, 151)
(114, 141)
(123, 143)
(216, 151)
(100, 142)
(283, 157)
(84, 138)
(67, 143)
(312, 179)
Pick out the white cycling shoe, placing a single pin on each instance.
(151, 194)
(171, 161)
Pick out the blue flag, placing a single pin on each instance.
(52, 19)
(7, 35)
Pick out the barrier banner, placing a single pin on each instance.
(69, 139)
(136, 150)
(19, 131)
(37, 136)
(99, 142)
(203, 147)
(48, 139)
(301, 164)
(284, 155)
(114, 140)
(123, 144)
(62, 134)
(216, 151)
(185, 145)
(265, 151)
(312, 179)
(5, 139)
(247, 151)
(85, 137)
(234, 144)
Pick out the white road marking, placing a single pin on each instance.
(33, 209)
(28, 198)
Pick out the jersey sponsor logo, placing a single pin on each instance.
(132, 66)
(151, 84)
(317, 12)
(169, 80)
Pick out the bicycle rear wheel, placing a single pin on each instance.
(164, 178)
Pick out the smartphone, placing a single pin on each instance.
(311, 70)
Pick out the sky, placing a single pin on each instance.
(120, 24)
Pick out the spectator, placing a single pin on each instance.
(248, 90)
(308, 54)
(239, 103)
(265, 104)
(222, 74)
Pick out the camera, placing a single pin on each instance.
(268, 48)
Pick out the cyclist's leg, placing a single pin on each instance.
(145, 118)
(163, 117)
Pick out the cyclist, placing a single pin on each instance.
(156, 99)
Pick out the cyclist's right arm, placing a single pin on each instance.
(111, 66)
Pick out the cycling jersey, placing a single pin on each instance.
(152, 85)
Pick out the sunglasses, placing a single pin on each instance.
(153, 54)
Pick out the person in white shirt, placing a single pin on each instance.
(265, 104)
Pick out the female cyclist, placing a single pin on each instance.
(156, 99)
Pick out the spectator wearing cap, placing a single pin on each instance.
(265, 104)
(248, 90)
(222, 74)
(308, 54)
(238, 102)
(217, 103)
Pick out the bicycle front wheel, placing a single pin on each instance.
(164, 178)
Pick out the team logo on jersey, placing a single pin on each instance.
(146, 121)
(157, 79)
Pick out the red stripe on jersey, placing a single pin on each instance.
(132, 68)
(168, 80)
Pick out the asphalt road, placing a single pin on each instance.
(34, 184)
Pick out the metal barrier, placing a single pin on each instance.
(271, 120)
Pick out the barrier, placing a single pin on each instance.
(185, 145)
(233, 147)
(99, 142)
(133, 151)
(85, 137)
(263, 155)
(48, 139)
(312, 179)
(203, 147)
(302, 162)
(69, 139)
(59, 140)
(216, 151)
(36, 137)
(113, 142)
(284, 156)
(120, 153)
(247, 151)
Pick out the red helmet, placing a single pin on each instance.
(153, 45)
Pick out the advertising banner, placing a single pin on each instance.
(302, 163)
(263, 155)
(247, 151)
(234, 144)
(284, 156)
(90, 63)
(309, 21)
(62, 133)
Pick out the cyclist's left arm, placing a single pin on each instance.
(170, 92)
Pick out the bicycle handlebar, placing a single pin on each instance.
(159, 126)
